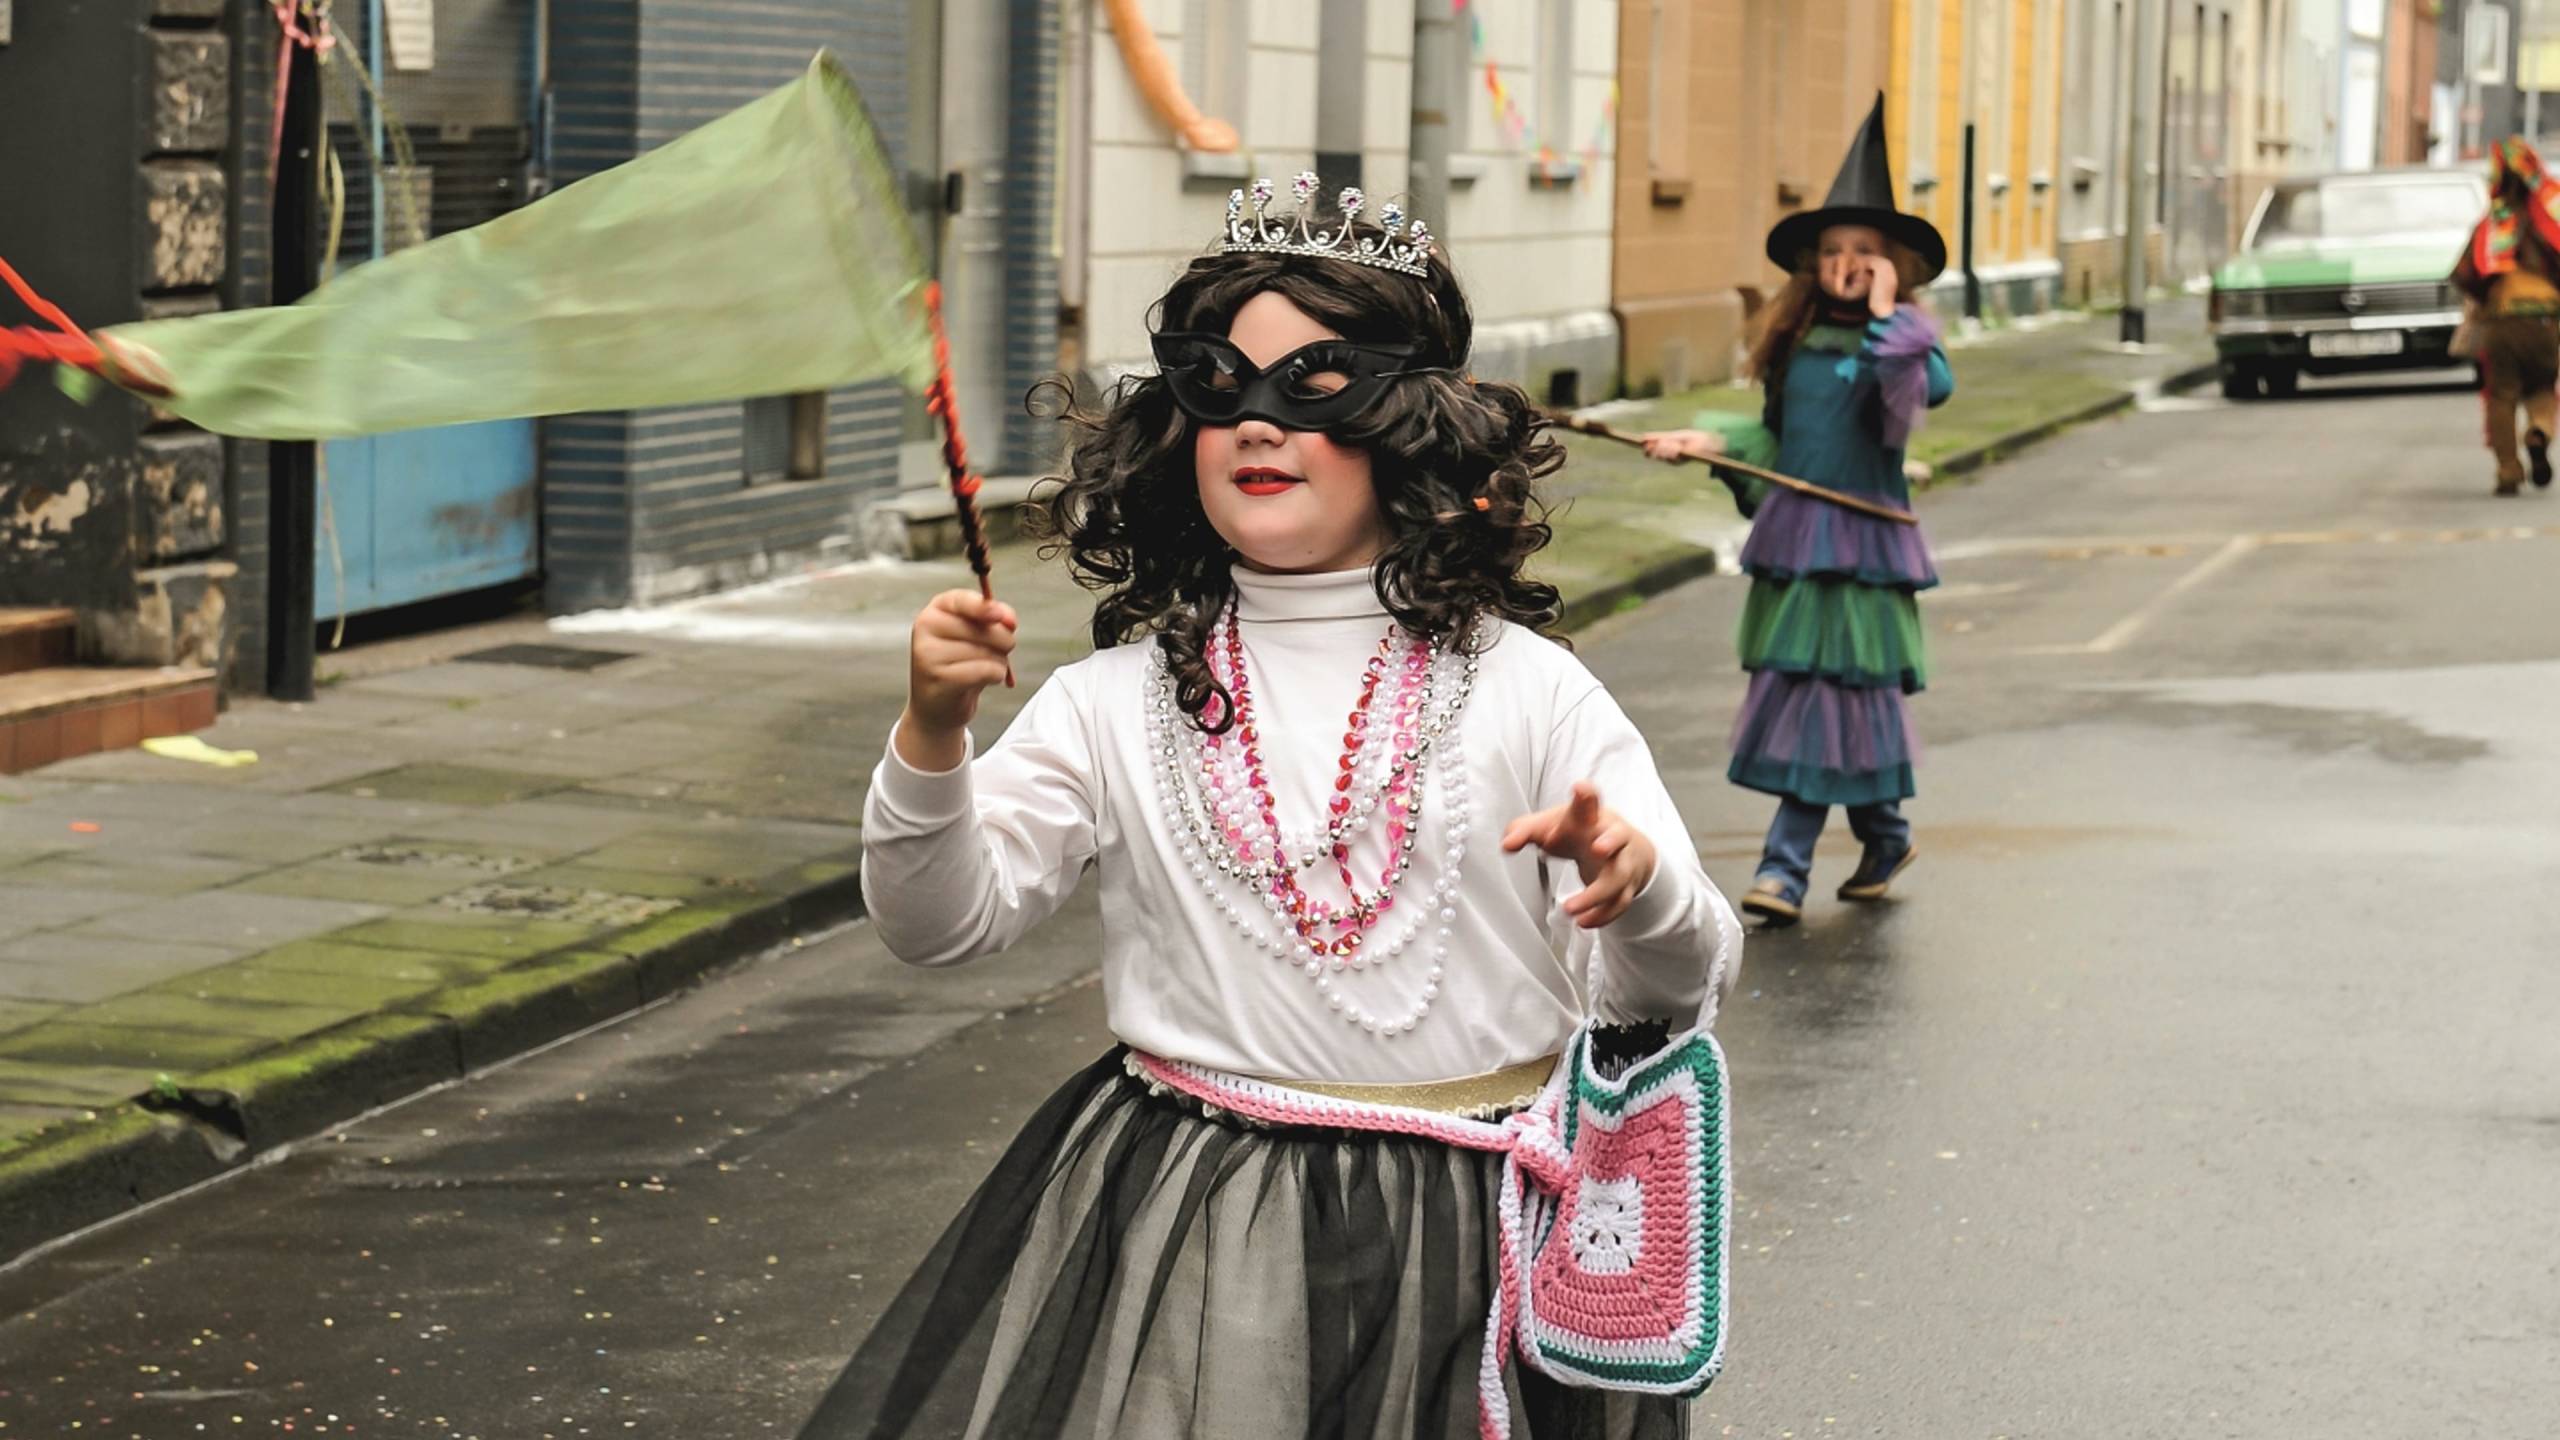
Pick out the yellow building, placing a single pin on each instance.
(1997, 64)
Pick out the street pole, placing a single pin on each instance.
(2138, 150)
(2473, 122)
(1972, 277)
(1435, 85)
(2528, 32)
(293, 465)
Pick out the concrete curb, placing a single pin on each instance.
(1966, 461)
(155, 1146)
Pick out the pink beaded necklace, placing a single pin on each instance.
(1258, 851)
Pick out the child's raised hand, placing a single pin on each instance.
(1615, 858)
(1884, 287)
(958, 649)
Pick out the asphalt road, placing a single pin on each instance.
(2204, 1078)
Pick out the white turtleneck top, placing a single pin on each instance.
(963, 863)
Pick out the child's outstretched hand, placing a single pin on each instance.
(1615, 858)
(958, 649)
(1681, 444)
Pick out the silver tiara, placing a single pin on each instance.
(1407, 251)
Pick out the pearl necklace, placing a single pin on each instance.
(1229, 846)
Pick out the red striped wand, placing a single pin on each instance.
(942, 399)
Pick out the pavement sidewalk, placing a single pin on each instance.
(476, 842)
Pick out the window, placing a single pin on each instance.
(2002, 93)
(1555, 78)
(1557, 75)
(786, 437)
(1342, 92)
(2042, 143)
(1216, 49)
(1667, 114)
(1921, 95)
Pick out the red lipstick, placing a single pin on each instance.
(1259, 480)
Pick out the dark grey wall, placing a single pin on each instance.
(117, 134)
(648, 505)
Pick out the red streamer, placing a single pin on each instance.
(67, 344)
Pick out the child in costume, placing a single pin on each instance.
(2510, 270)
(1360, 830)
(1831, 631)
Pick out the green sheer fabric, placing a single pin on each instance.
(766, 253)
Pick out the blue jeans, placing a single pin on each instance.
(1787, 855)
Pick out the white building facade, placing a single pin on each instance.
(1328, 86)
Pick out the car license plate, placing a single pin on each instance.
(2349, 342)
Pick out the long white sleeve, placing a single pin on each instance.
(958, 864)
(1677, 950)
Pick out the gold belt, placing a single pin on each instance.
(1507, 1089)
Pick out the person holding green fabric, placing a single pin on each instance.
(1831, 631)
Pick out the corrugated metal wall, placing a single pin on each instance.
(1030, 234)
(253, 71)
(586, 501)
(647, 506)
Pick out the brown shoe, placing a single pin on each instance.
(2509, 487)
(1876, 871)
(1769, 900)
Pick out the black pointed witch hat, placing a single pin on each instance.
(1862, 194)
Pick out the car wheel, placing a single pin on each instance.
(2282, 382)
(2239, 384)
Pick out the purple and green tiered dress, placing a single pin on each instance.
(1831, 631)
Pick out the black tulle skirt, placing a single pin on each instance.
(1135, 1270)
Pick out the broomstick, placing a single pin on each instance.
(942, 399)
(1581, 426)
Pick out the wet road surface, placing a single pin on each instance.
(2203, 1079)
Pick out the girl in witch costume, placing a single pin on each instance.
(1831, 631)
(2510, 270)
(1360, 831)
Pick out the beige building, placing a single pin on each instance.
(1733, 113)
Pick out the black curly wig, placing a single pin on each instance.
(1455, 462)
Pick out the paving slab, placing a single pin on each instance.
(28, 908)
(351, 880)
(123, 1046)
(56, 967)
(17, 1014)
(439, 783)
(25, 1082)
(210, 1014)
(229, 917)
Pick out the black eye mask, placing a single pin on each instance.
(1215, 384)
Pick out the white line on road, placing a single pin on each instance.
(2124, 630)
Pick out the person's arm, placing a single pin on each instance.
(2466, 276)
(962, 862)
(1746, 438)
(1912, 375)
(962, 858)
(1665, 944)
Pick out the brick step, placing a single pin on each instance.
(36, 637)
(60, 712)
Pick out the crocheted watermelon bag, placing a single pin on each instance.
(1625, 1281)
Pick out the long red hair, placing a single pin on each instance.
(1781, 323)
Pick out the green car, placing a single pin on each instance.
(2343, 274)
